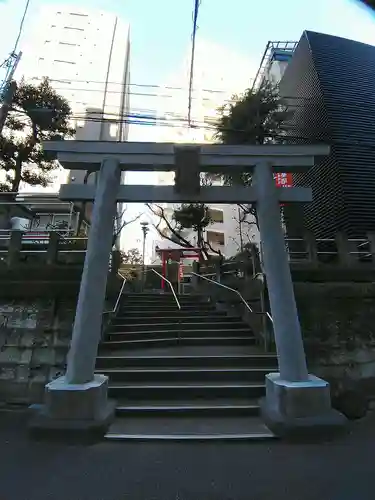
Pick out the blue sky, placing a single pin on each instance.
(161, 29)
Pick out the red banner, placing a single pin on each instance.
(283, 180)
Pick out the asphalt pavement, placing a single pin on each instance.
(339, 470)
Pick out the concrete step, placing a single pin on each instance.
(177, 350)
(188, 429)
(191, 407)
(163, 299)
(163, 302)
(125, 308)
(180, 334)
(160, 293)
(180, 361)
(186, 374)
(168, 318)
(186, 390)
(173, 313)
(174, 325)
(167, 341)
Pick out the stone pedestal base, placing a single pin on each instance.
(300, 409)
(79, 411)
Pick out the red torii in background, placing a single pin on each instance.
(176, 254)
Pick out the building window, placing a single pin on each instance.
(216, 216)
(62, 81)
(72, 28)
(64, 62)
(69, 44)
(215, 238)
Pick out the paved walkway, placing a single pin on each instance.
(342, 470)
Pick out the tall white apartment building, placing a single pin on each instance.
(218, 74)
(85, 54)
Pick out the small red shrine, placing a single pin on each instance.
(169, 251)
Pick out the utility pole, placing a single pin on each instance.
(191, 77)
(240, 227)
(8, 98)
(145, 230)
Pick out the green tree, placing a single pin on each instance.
(131, 256)
(193, 216)
(38, 114)
(255, 117)
(190, 216)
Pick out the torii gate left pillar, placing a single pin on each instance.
(78, 401)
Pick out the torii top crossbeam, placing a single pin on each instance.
(160, 156)
(188, 161)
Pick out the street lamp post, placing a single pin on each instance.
(145, 230)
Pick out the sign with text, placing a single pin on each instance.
(283, 180)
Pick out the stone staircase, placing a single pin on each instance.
(189, 374)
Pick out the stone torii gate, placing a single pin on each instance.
(294, 398)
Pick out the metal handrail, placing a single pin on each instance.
(171, 286)
(113, 311)
(227, 287)
(268, 316)
(265, 313)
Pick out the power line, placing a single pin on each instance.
(144, 120)
(216, 128)
(138, 113)
(21, 25)
(107, 117)
(183, 123)
(144, 94)
(145, 85)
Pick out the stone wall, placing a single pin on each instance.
(338, 325)
(35, 330)
(34, 341)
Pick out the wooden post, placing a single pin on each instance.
(195, 279)
(14, 249)
(312, 250)
(371, 238)
(218, 271)
(115, 262)
(343, 249)
(53, 247)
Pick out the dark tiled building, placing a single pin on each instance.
(330, 85)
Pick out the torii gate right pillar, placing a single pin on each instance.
(296, 402)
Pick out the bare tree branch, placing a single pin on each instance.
(161, 214)
(248, 210)
(208, 244)
(83, 205)
(124, 224)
